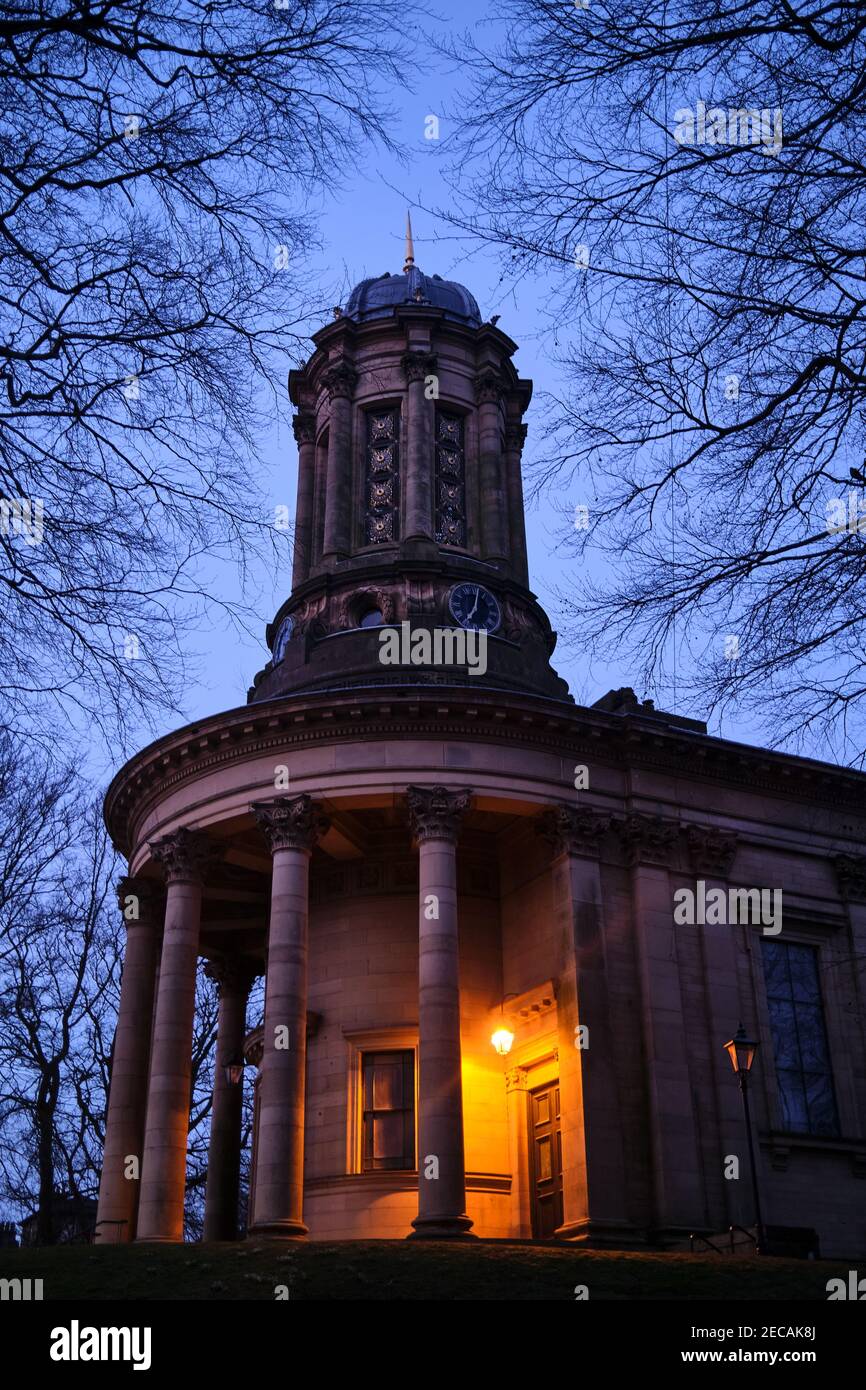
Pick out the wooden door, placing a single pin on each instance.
(546, 1157)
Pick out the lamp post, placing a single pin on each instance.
(741, 1049)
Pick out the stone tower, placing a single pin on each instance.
(410, 502)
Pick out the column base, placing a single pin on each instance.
(279, 1230)
(441, 1228)
(600, 1235)
(419, 547)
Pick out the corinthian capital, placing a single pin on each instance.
(290, 822)
(340, 380)
(418, 365)
(435, 813)
(851, 876)
(711, 850)
(138, 898)
(233, 973)
(489, 386)
(573, 830)
(648, 839)
(186, 855)
(304, 427)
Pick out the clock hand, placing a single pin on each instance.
(475, 604)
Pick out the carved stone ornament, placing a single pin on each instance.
(648, 839)
(354, 601)
(146, 890)
(435, 813)
(304, 427)
(515, 1079)
(489, 386)
(290, 822)
(515, 437)
(418, 365)
(851, 876)
(573, 830)
(186, 855)
(711, 850)
(340, 380)
(233, 973)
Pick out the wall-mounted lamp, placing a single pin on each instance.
(503, 1038)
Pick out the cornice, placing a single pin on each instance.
(355, 336)
(570, 731)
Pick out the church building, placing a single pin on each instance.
(504, 937)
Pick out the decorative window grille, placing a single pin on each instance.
(450, 480)
(382, 481)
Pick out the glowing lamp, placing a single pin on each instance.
(741, 1049)
(502, 1040)
(234, 1073)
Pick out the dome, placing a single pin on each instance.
(377, 298)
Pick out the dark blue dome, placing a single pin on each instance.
(373, 299)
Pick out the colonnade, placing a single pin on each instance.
(143, 1178)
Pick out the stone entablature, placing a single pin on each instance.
(536, 727)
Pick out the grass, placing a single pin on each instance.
(380, 1269)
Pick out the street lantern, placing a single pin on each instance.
(234, 1073)
(741, 1049)
(502, 1040)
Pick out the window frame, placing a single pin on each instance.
(359, 1043)
(809, 1133)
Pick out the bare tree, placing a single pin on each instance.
(61, 955)
(691, 176)
(57, 990)
(160, 166)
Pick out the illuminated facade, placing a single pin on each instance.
(418, 857)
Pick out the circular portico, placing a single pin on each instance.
(352, 849)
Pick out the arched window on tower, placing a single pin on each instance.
(382, 480)
(450, 480)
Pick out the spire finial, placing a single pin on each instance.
(410, 249)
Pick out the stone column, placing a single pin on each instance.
(711, 854)
(186, 855)
(518, 1153)
(435, 814)
(340, 382)
(127, 1095)
(595, 1207)
(291, 825)
(494, 500)
(420, 461)
(234, 978)
(304, 427)
(515, 438)
(678, 1198)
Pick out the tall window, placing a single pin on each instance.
(800, 1047)
(450, 480)
(382, 481)
(388, 1139)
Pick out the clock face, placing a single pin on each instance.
(474, 606)
(285, 632)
